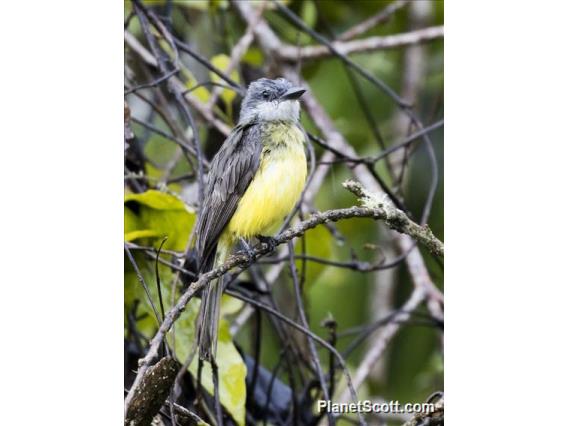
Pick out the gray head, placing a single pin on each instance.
(271, 100)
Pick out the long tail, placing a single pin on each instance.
(208, 325)
(208, 319)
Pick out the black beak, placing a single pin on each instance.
(292, 94)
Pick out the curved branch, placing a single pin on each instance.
(152, 393)
(244, 261)
(270, 42)
(395, 41)
(396, 219)
(383, 16)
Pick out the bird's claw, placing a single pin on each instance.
(269, 241)
(248, 251)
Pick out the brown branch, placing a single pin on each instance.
(151, 394)
(237, 52)
(311, 189)
(413, 73)
(396, 219)
(243, 261)
(185, 416)
(388, 332)
(373, 21)
(270, 43)
(423, 285)
(292, 53)
(414, 260)
(145, 54)
(431, 418)
(304, 322)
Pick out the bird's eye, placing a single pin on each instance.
(265, 94)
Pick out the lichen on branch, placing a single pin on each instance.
(395, 218)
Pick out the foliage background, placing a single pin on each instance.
(412, 367)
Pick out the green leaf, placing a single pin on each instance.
(269, 5)
(218, 4)
(154, 2)
(201, 92)
(160, 150)
(232, 369)
(153, 215)
(222, 61)
(140, 233)
(157, 200)
(134, 291)
(203, 5)
(319, 243)
(230, 305)
(309, 13)
(131, 222)
(254, 57)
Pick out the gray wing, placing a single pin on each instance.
(230, 174)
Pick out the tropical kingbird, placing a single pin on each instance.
(254, 182)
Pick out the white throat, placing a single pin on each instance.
(278, 111)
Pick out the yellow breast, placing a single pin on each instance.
(276, 187)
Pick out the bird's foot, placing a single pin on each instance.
(269, 241)
(248, 251)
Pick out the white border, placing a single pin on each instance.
(505, 177)
(505, 184)
(61, 173)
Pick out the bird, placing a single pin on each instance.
(254, 182)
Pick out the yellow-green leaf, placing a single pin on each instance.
(269, 5)
(232, 369)
(254, 57)
(154, 215)
(191, 82)
(204, 5)
(133, 291)
(319, 243)
(140, 233)
(156, 200)
(222, 61)
(154, 2)
(151, 216)
(218, 4)
(309, 13)
(230, 305)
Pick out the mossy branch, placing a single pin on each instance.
(150, 395)
(395, 218)
(373, 208)
(434, 417)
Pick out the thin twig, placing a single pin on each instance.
(371, 22)
(188, 413)
(270, 43)
(243, 261)
(142, 281)
(304, 322)
(237, 52)
(396, 219)
(153, 83)
(379, 346)
(371, 44)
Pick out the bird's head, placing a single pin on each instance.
(271, 100)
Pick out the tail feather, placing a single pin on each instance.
(208, 324)
(208, 318)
